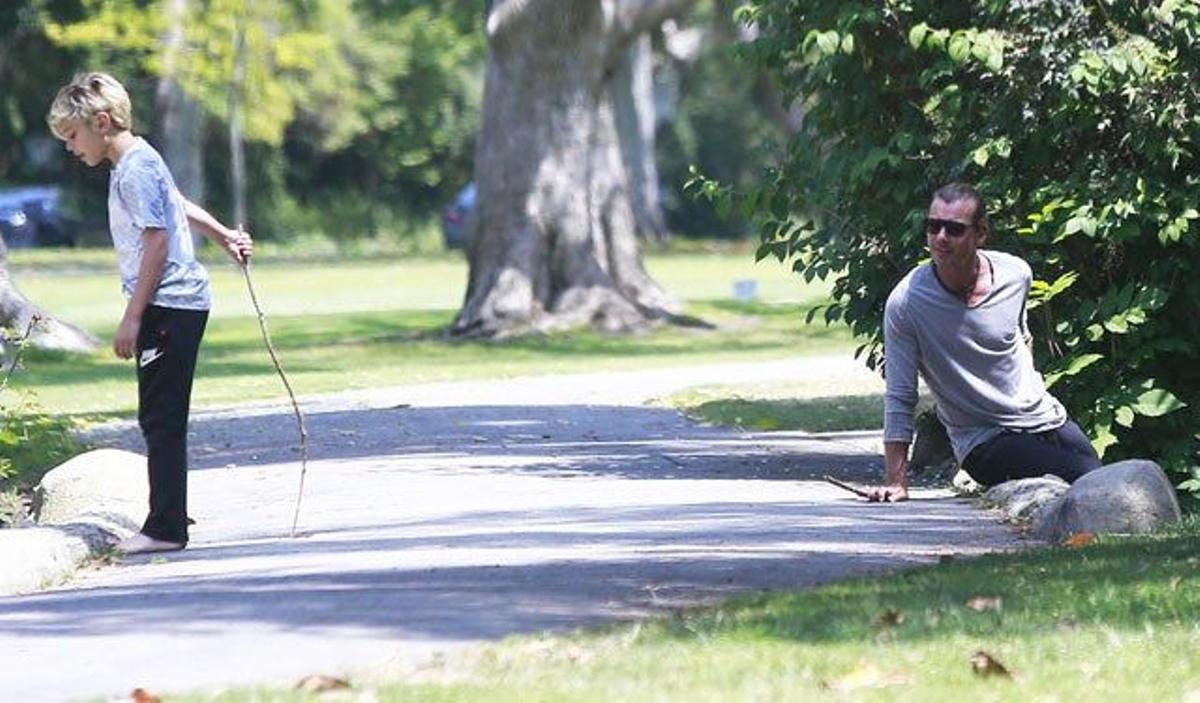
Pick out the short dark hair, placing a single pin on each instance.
(953, 192)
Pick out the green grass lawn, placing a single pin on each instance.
(1118, 620)
(361, 323)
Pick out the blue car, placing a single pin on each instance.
(454, 218)
(30, 216)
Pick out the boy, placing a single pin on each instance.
(166, 289)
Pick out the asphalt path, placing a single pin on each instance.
(442, 515)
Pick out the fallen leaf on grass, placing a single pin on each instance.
(141, 695)
(982, 604)
(1079, 539)
(889, 618)
(316, 683)
(866, 677)
(984, 664)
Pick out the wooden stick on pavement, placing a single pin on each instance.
(860, 492)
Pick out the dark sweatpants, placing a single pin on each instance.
(1064, 452)
(167, 345)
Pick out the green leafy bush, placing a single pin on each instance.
(1078, 120)
(31, 442)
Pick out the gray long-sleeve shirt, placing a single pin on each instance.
(974, 359)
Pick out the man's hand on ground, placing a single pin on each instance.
(888, 494)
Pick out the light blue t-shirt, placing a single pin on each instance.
(974, 359)
(141, 195)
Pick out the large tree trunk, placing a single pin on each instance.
(553, 241)
(637, 122)
(179, 119)
(16, 313)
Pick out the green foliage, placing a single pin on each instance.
(378, 101)
(1077, 120)
(31, 442)
(292, 57)
(727, 124)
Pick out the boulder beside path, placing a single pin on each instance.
(82, 507)
(1128, 497)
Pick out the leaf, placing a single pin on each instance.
(1104, 439)
(916, 35)
(995, 59)
(890, 618)
(828, 42)
(960, 48)
(984, 664)
(1124, 416)
(1117, 324)
(1076, 365)
(1157, 402)
(1077, 540)
(982, 604)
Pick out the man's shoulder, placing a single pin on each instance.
(1010, 263)
(915, 278)
(1003, 257)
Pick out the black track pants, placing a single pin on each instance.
(1064, 452)
(167, 345)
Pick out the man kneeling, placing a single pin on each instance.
(960, 321)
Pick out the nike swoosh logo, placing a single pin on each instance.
(149, 356)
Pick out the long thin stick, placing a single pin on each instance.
(862, 493)
(262, 326)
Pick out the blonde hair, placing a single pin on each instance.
(87, 95)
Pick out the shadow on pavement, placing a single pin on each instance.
(488, 574)
(615, 441)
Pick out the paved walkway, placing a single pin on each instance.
(446, 514)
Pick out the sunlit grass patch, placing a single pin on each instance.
(1117, 620)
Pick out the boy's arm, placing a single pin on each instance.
(235, 242)
(154, 260)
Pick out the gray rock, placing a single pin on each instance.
(1024, 499)
(83, 506)
(106, 485)
(964, 484)
(1127, 497)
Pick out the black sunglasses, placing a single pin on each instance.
(954, 228)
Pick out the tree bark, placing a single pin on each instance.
(637, 122)
(552, 242)
(179, 119)
(16, 312)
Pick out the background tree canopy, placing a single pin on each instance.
(1078, 121)
(360, 118)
